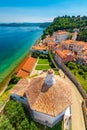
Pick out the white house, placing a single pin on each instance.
(60, 35)
(48, 98)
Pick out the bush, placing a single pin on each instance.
(71, 65)
(14, 79)
(42, 56)
(35, 54)
(9, 87)
(80, 71)
(84, 76)
(84, 68)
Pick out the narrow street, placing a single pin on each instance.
(77, 119)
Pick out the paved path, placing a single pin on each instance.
(76, 109)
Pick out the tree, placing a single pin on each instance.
(80, 71)
(82, 36)
(71, 65)
(14, 79)
(33, 126)
(65, 23)
(5, 124)
(15, 113)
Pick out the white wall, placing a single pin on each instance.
(61, 37)
(50, 119)
(59, 116)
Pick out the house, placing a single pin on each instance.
(74, 46)
(60, 35)
(49, 39)
(26, 67)
(48, 98)
(64, 56)
(51, 45)
(42, 49)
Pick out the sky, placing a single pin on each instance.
(39, 10)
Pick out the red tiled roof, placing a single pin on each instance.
(52, 102)
(28, 66)
(61, 32)
(50, 38)
(73, 42)
(22, 74)
(51, 43)
(63, 53)
(20, 87)
(39, 47)
(21, 65)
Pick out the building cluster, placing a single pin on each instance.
(49, 98)
(65, 49)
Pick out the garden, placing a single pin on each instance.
(44, 62)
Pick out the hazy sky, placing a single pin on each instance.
(39, 10)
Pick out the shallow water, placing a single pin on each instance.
(15, 43)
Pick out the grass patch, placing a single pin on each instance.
(81, 79)
(43, 61)
(3, 98)
(32, 76)
(80, 73)
(56, 72)
(42, 67)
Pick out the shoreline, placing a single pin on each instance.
(5, 81)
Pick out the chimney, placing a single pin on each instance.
(49, 79)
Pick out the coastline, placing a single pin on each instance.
(5, 81)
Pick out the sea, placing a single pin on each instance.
(15, 43)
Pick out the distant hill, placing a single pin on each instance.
(42, 25)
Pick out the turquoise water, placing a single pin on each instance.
(15, 43)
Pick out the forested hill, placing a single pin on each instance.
(66, 23)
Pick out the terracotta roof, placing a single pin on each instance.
(39, 47)
(61, 32)
(20, 87)
(63, 53)
(85, 47)
(50, 38)
(28, 66)
(51, 43)
(21, 65)
(22, 74)
(73, 42)
(52, 102)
